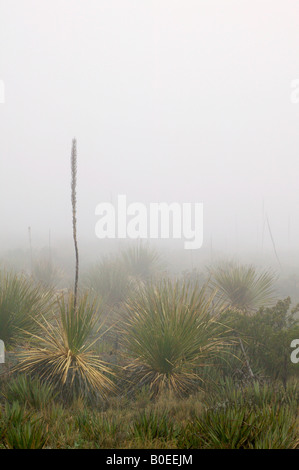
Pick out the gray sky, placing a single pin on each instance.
(170, 100)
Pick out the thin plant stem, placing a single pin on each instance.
(30, 248)
(74, 212)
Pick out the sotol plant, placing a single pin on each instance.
(63, 354)
(21, 303)
(141, 262)
(169, 333)
(243, 288)
(109, 281)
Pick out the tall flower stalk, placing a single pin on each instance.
(74, 211)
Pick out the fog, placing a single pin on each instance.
(169, 101)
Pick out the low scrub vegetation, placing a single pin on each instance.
(143, 362)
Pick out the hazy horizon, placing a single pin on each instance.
(169, 102)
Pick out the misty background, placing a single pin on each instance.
(170, 101)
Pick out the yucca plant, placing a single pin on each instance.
(141, 262)
(243, 288)
(63, 353)
(45, 272)
(169, 332)
(21, 304)
(109, 281)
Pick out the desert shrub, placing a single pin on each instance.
(267, 335)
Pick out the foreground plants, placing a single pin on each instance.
(63, 353)
(21, 429)
(235, 427)
(186, 376)
(252, 417)
(169, 332)
(29, 392)
(265, 421)
(21, 304)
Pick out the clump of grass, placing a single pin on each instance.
(255, 394)
(29, 391)
(151, 424)
(243, 427)
(21, 429)
(28, 435)
(255, 416)
(98, 428)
